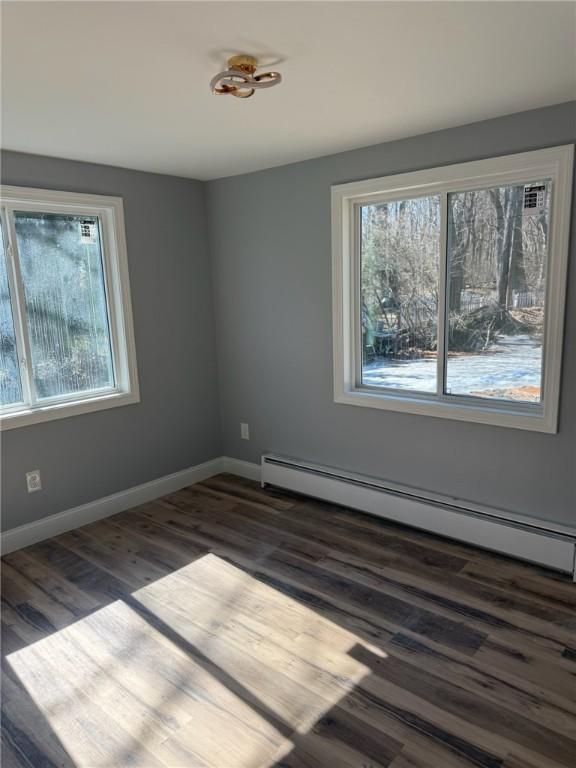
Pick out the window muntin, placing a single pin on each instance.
(530, 399)
(67, 291)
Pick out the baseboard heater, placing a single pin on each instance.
(553, 546)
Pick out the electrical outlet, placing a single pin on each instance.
(33, 481)
(244, 431)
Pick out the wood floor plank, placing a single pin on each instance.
(31, 603)
(528, 614)
(520, 578)
(230, 626)
(374, 545)
(318, 750)
(240, 488)
(456, 700)
(386, 611)
(415, 756)
(506, 657)
(210, 534)
(8, 755)
(43, 577)
(496, 598)
(130, 570)
(541, 706)
(450, 598)
(26, 730)
(547, 592)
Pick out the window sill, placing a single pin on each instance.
(501, 414)
(53, 411)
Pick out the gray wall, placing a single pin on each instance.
(176, 424)
(269, 236)
(270, 249)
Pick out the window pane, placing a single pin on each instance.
(497, 244)
(61, 264)
(10, 386)
(400, 243)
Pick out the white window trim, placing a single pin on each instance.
(110, 211)
(556, 164)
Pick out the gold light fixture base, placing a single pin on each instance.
(244, 63)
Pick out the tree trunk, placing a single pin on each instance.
(503, 243)
(456, 270)
(460, 238)
(517, 276)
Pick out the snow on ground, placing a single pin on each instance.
(513, 364)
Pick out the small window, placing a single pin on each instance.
(449, 289)
(66, 338)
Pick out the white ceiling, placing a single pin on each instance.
(126, 83)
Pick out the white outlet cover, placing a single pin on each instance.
(244, 431)
(33, 481)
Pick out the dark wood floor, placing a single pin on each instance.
(230, 627)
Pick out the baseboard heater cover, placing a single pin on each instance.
(553, 547)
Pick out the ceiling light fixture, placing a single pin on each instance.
(239, 79)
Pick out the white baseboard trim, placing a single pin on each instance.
(554, 549)
(242, 468)
(25, 535)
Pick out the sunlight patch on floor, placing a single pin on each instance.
(205, 664)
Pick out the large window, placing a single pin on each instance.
(449, 289)
(66, 338)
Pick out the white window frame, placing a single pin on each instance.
(556, 164)
(110, 212)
